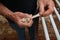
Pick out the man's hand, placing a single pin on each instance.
(46, 7)
(17, 16)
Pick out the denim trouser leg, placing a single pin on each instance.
(33, 28)
(21, 34)
(21, 31)
(31, 32)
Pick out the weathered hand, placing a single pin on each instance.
(45, 7)
(17, 16)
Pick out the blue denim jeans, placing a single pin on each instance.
(21, 31)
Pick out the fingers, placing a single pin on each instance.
(28, 21)
(29, 24)
(41, 9)
(26, 24)
(20, 14)
(28, 16)
(25, 15)
(50, 9)
(23, 24)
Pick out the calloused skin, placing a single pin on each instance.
(16, 16)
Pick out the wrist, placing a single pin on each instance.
(5, 11)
